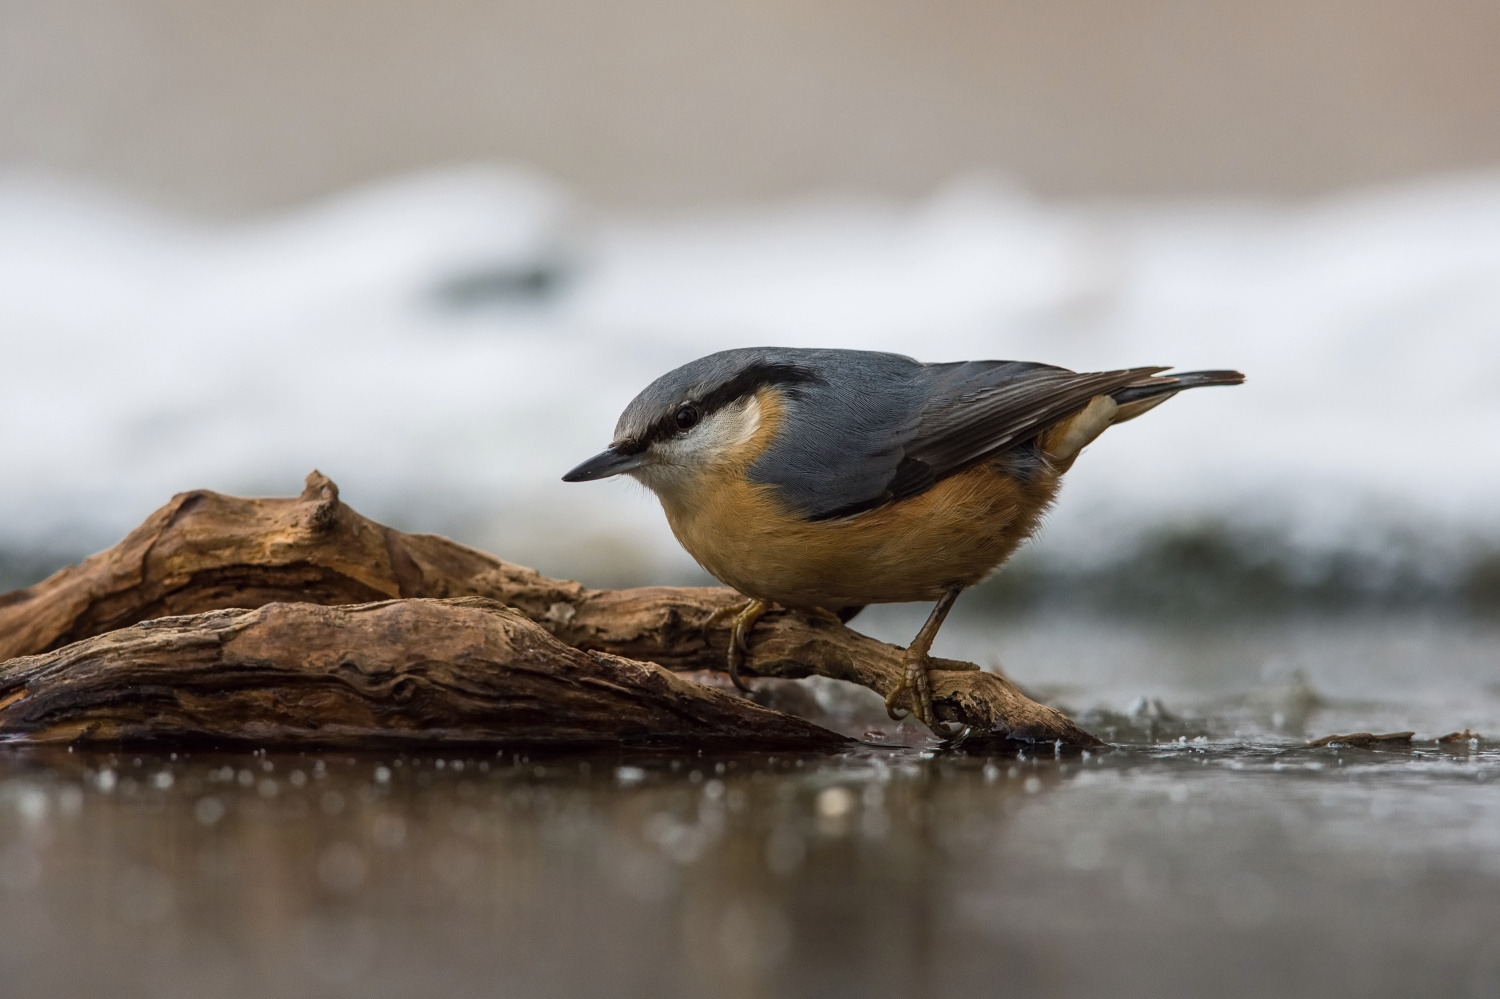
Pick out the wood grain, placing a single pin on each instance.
(397, 672)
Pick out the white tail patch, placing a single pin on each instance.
(1079, 432)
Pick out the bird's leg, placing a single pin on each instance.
(916, 681)
(745, 616)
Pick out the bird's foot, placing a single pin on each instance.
(745, 615)
(916, 683)
(728, 610)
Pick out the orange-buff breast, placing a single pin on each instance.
(954, 534)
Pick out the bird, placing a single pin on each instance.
(831, 479)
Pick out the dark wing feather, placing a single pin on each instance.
(976, 409)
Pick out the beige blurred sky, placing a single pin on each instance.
(238, 106)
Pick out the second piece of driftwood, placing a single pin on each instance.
(400, 672)
(1365, 740)
(205, 551)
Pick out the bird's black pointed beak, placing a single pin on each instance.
(610, 461)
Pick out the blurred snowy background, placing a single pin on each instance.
(432, 250)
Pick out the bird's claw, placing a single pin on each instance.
(745, 615)
(917, 684)
(728, 610)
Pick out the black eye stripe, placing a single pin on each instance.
(746, 382)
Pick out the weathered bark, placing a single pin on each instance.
(468, 670)
(205, 551)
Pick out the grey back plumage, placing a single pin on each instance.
(862, 428)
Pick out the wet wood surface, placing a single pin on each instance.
(206, 552)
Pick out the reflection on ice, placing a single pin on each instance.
(878, 870)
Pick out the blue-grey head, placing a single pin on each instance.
(697, 415)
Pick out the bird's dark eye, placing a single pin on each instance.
(687, 416)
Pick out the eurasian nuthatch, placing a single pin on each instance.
(832, 479)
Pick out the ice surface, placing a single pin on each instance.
(142, 354)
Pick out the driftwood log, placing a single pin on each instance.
(313, 675)
(80, 633)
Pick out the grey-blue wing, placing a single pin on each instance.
(881, 427)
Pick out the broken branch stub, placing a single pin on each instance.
(205, 551)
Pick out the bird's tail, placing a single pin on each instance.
(1063, 442)
(1159, 385)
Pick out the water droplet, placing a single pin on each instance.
(31, 802)
(835, 802)
(208, 810)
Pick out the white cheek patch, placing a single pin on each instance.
(715, 440)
